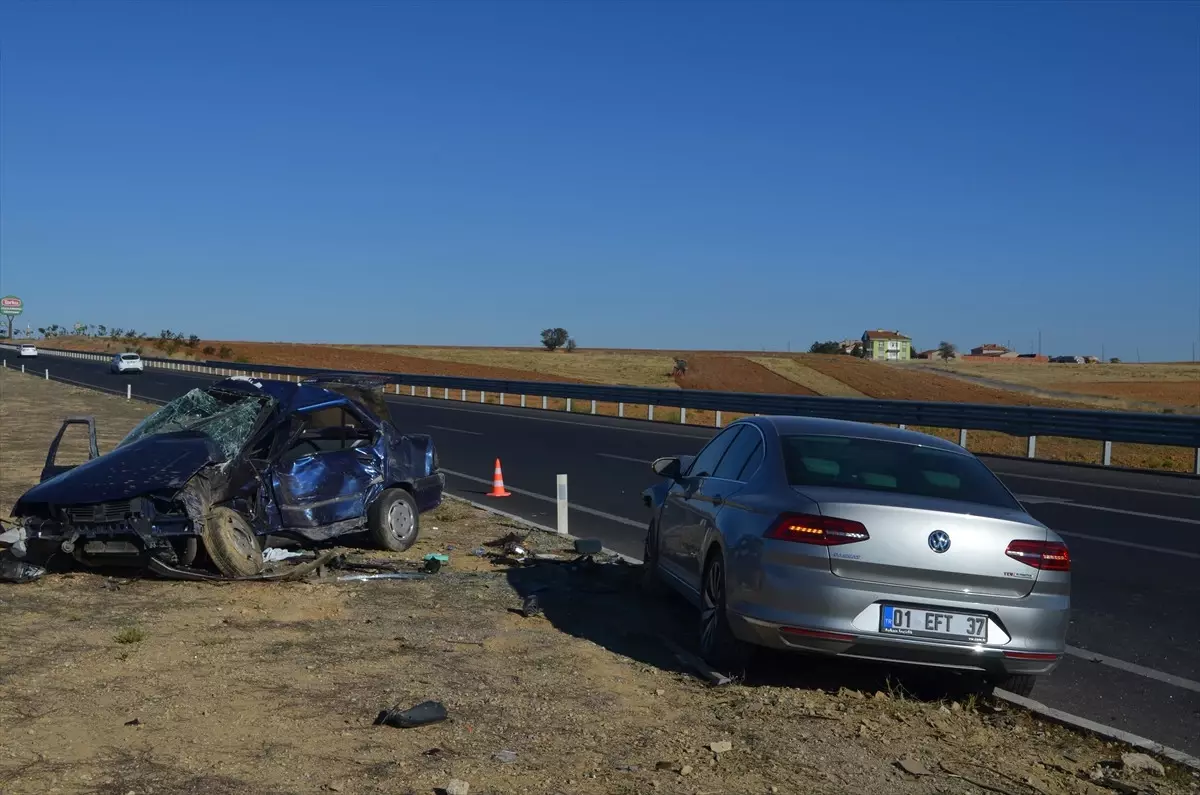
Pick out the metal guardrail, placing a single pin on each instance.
(1027, 421)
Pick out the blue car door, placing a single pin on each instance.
(331, 469)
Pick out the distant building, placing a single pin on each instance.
(989, 349)
(848, 346)
(886, 345)
(934, 353)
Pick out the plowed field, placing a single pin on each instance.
(887, 382)
(1186, 395)
(349, 359)
(735, 374)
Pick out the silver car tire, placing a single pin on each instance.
(718, 645)
(393, 520)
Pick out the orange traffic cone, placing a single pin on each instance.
(498, 483)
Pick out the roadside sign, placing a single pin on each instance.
(11, 305)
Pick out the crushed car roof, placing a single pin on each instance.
(289, 395)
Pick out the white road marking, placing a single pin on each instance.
(1033, 499)
(1134, 668)
(457, 430)
(1131, 544)
(624, 458)
(574, 506)
(1100, 485)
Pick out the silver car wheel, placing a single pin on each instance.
(400, 520)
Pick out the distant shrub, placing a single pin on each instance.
(680, 367)
(130, 635)
(1114, 360)
(225, 352)
(554, 338)
(209, 350)
(242, 360)
(570, 346)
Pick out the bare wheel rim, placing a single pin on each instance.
(400, 519)
(711, 598)
(242, 539)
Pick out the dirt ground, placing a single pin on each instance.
(1138, 387)
(111, 684)
(736, 374)
(793, 370)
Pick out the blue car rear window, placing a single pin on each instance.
(896, 467)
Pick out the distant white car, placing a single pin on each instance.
(127, 363)
(28, 350)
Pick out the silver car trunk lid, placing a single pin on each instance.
(927, 542)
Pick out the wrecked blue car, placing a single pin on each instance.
(211, 474)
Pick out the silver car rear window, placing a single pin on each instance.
(130, 357)
(896, 467)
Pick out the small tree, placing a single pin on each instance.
(858, 351)
(1114, 360)
(946, 350)
(680, 367)
(209, 350)
(829, 346)
(570, 346)
(225, 352)
(193, 341)
(102, 330)
(554, 338)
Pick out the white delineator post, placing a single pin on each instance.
(1031, 449)
(129, 391)
(562, 504)
(47, 373)
(962, 438)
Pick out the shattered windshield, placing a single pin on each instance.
(228, 423)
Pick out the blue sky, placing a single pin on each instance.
(675, 174)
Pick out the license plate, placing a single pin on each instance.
(918, 623)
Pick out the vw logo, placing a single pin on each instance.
(939, 541)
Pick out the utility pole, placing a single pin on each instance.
(1103, 359)
(1039, 342)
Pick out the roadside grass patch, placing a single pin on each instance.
(130, 635)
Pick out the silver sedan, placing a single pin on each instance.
(849, 539)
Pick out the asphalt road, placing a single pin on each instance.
(1134, 538)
